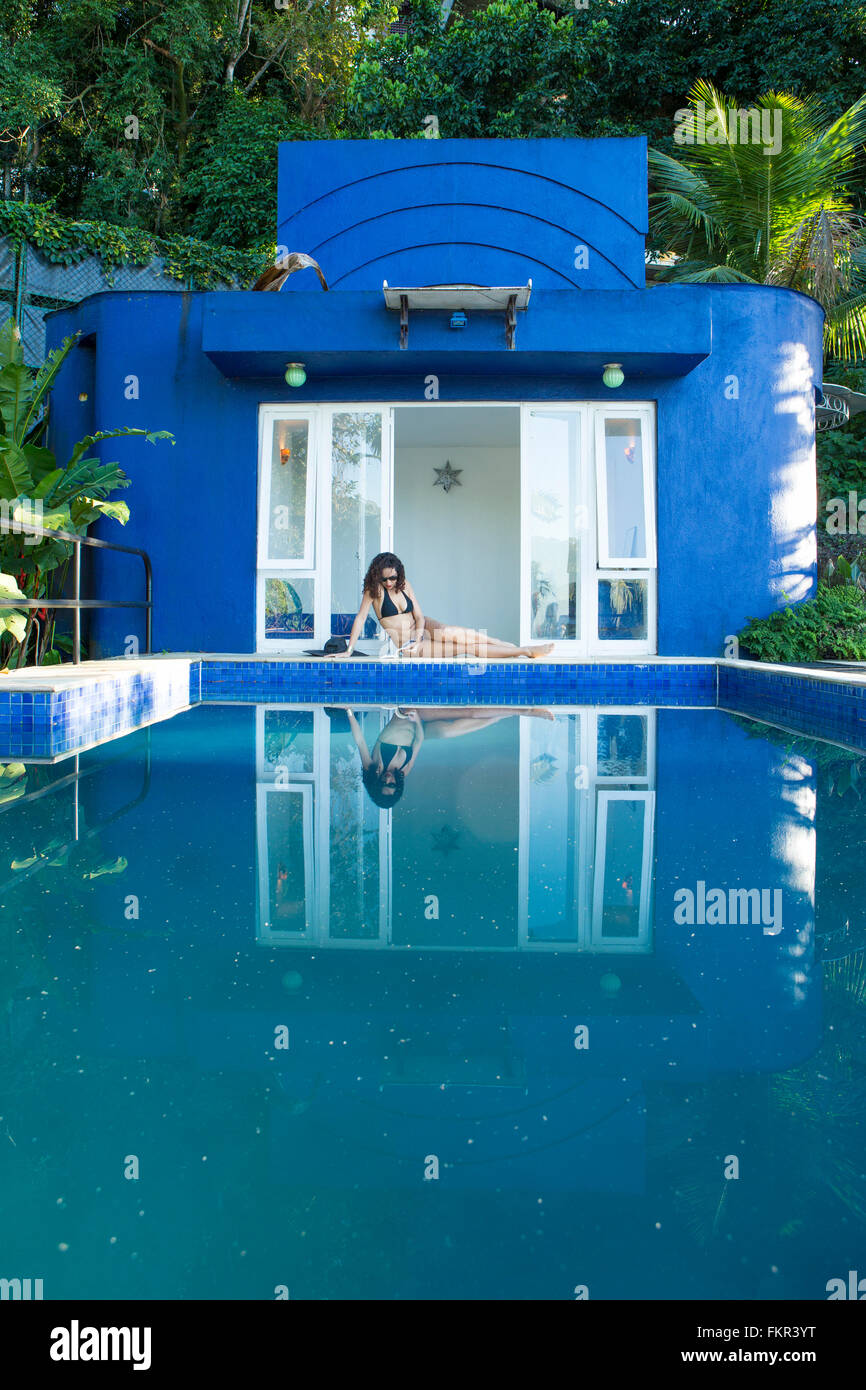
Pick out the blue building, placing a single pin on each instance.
(486, 386)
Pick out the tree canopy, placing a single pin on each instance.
(166, 114)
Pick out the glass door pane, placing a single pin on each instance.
(623, 608)
(555, 519)
(289, 495)
(357, 509)
(624, 516)
(289, 608)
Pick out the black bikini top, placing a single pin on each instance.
(392, 610)
(388, 752)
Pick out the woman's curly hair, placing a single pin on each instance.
(373, 577)
(372, 780)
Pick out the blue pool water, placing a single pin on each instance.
(583, 1010)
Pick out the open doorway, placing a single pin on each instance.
(459, 538)
(533, 521)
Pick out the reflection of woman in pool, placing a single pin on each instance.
(388, 592)
(398, 745)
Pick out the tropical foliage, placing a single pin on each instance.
(65, 241)
(746, 211)
(511, 68)
(134, 114)
(165, 116)
(829, 627)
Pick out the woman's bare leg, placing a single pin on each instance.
(447, 640)
(441, 712)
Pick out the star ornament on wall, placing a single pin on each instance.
(447, 477)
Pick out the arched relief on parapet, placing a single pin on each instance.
(564, 260)
(387, 258)
(426, 170)
(512, 208)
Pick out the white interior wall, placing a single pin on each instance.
(461, 549)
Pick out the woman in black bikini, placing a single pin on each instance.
(388, 592)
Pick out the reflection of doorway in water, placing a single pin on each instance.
(458, 843)
(528, 834)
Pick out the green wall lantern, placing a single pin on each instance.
(295, 374)
(613, 375)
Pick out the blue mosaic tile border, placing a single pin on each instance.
(48, 723)
(831, 709)
(423, 682)
(45, 724)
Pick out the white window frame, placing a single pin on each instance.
(574, 646)
(268, 416)
(386, 500)
(275, 647)
(645, 414)
(618, 646)
(319, 499)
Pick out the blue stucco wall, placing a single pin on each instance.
(732, 369)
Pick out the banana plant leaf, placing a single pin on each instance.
(88, 475)
(87, 509)
(83, 444)
(15, 479)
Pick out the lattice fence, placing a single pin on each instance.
(37, 285)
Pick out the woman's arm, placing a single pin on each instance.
(417, 740)
(366, 760)
(418, 615)
(357, 627)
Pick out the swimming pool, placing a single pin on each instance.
(583, 1011)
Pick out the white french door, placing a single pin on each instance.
(587, 570)
(325, 509)
(588, 557)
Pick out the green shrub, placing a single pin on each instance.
(829, 627)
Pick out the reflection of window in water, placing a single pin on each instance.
(624, 848)
(622, 745)
(288, 740)
(285, 855)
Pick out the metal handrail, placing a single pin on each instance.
(76, 603)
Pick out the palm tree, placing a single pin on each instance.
(782, 214)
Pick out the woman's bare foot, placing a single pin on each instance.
(539, 712)
(534, 652)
